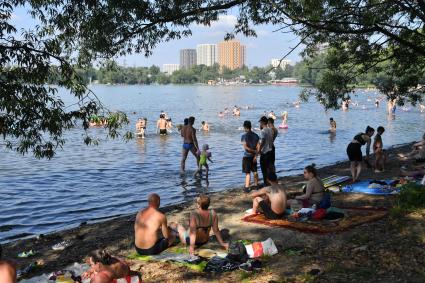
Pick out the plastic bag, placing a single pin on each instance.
(258, 249)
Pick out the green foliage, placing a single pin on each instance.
(411, 197)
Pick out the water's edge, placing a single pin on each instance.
(180, 205)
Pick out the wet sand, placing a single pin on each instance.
(389, 250)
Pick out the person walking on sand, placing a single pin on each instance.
(190, 143)
(266, 149)
(149, 222)
(378, 149)
(251, 144)
(354, 151)
(161, 125)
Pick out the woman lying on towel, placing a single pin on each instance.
(200, 224)
(271, 200)
(105, 268)
(313, 193)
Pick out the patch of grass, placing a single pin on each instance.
(411, 197)
(244, 276)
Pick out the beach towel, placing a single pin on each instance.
(334, 180)
(372, 187)
(192, 262)
(353, 217)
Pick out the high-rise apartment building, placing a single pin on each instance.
(187, 58)
(231, 54)
(277, 62)
(206, 54)
(170, 68)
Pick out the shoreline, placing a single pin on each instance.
(170, 207)
(116, 234)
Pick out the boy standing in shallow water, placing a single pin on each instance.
(204, 155)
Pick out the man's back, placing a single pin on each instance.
(277, 196)
(251, 139)
(187, 133)
(148, 222)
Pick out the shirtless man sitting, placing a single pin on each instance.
(7, 270)
(148, 223)
(271, 199)
(190, 143)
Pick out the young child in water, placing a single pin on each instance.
(204, 155)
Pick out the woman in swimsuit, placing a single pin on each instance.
(105, 268)
(314, 189)
(354, 151)
(200, 224)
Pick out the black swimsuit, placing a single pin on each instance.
(206, 230)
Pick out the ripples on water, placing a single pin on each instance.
(84, 183)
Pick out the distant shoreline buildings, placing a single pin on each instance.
(229, 54)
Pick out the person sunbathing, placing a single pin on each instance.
(104, 268)
(146, 227)
(314, 189)
(7, 270)
(418, 151)
(271, 200)
(200, 224)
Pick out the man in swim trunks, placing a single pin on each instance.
(161, 124)
(266, 149)
(271, 199)
(251, 145)
(190, 143)
(146, 227)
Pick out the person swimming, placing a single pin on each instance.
(205, 127)
(333, 125)
(141, 127)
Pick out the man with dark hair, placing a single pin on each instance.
(149, 222)
(272, 199)
(7, 270)
(275, 132)
(161, 125)
(190, 143)
(250, 142)
(378, 149)
(266, 149)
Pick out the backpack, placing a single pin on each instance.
(325, 202)
(237, 252)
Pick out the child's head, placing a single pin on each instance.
(203, 122)
(380, 130)
(205, 147)
(331, 119)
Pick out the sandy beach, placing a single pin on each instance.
(389, 250)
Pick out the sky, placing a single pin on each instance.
(259, 50)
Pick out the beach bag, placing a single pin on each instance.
(258, 249)
(325, 202)
(237, 252)
(219, 264)
(319, 214)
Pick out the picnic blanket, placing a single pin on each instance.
(366, 187)
(183, 259)
(334, 180)
(353, 217)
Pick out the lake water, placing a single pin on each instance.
(84, 183)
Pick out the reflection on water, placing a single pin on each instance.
(83, 183)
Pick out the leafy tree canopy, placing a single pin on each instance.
(74, 34)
